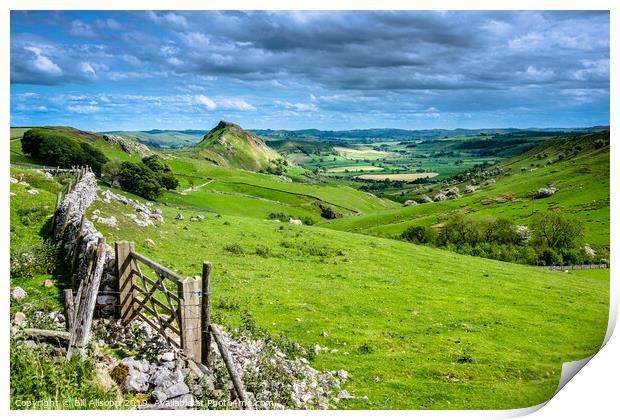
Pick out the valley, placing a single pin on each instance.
(452, 330)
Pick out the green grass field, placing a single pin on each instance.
(416, 327)
(423, 328)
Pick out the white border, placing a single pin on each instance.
(592, 393)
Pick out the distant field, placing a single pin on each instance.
(362, 152)
(399, 177)
(355, 168)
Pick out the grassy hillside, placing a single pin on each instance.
(172, 139)
(581, 177)
(416, 327)
(231, 146)
(251, 189)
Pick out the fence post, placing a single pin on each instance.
(189, 311)
(69, 310)
(125, 266)
(87, 299)
(58, 201)
(205, 316)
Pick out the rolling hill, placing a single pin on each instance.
(168, 139)
(451, 331)
(578, 167)
(229, 145)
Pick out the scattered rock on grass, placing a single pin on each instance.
(19, 319)
(18, 293)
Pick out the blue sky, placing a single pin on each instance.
(328, 70)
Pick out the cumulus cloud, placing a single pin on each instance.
(205, 101)
(41, 62)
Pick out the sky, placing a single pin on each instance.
(140, 70)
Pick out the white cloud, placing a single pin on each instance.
(88, 69)
(298, 106)
(205, 101)
(108, 24)
(592, 69)
(538, 73)
(224, 103)
(79, 28)
(43, 63)
(83, 109)
(169, 19)
(234, 103)
(526, 42)
(195, 39)
(497, 27)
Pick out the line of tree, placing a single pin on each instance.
(57, 149)
(552, 238)
(148, 178)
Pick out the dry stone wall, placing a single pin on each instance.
(79, 237)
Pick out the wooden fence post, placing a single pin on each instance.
(189, 316)
(58, 201)
(232, 370)
(69, 312)
(125, 266)
(85, 307)
(205, 316)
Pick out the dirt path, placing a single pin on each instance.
(196, 188)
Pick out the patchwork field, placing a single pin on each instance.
(400, 177)
(582, 184)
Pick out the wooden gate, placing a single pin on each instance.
(175, 314)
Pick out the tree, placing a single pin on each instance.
(165, 176)
(110, 172)
(460, 230)
(58, 149)
(139, 179)
(503, 231)
(557, 231)
(168, 181)
(155, 164)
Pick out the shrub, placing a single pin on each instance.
(234, 249)
(278, 216)
(419, 235)
(328, 213)
(277, 166)
(549, 256)
(365, 349)
(56, 149)
(263, 251)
